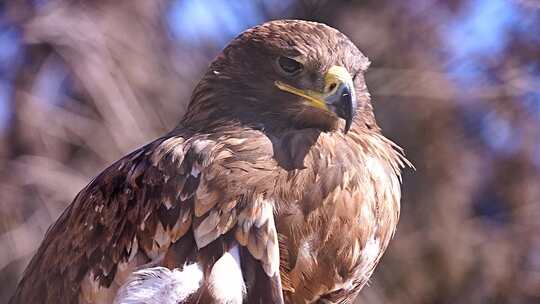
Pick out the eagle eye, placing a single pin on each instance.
(289, 66)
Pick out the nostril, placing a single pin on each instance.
(332, 87)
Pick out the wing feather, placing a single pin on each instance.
(147, 201)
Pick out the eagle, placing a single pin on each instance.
(277, 186)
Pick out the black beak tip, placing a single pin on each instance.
(343, 104)
(348, 104)
(348, 123)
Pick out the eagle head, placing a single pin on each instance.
(286, 73)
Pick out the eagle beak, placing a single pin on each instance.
(338, 96)
(341, 96)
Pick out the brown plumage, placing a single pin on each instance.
(259, 169)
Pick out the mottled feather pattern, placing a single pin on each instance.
(145, 202)
(246, 180)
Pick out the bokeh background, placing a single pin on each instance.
(456, 83)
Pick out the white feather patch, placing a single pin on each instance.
(226, 282)
(371, 250)
(160, 285)
(368, 258)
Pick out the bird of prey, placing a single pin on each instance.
(277, 186)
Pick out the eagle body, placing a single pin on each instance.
(255, 197)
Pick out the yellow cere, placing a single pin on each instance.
(338, 74)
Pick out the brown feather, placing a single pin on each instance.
(249, 166)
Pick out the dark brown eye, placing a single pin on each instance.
(289, 66)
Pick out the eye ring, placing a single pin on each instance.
(289, 66)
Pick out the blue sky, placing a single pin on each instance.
(479, 36)
(218, 20)
(9, 55)
(483, 28)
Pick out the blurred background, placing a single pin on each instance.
(456, 83)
